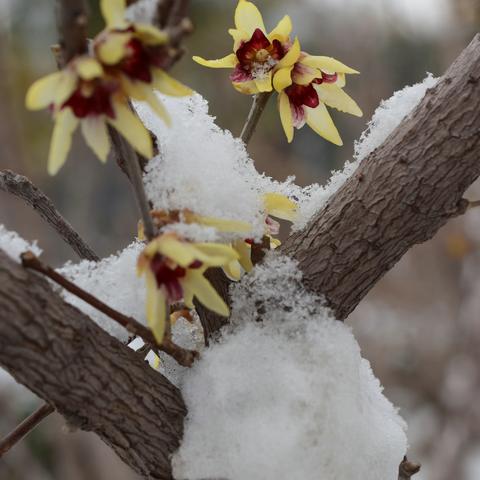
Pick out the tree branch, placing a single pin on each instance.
(97, 383)
(25, 428)
(400, 195)
(23, 188)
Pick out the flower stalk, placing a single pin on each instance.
(258, 106)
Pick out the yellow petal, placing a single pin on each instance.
(65, 125)
(274, 242)
(291, 57)
(111, 50)
(88, 68)
(230, 61)
(264, 84)
(52, 89)
(327, 64)
(341, 80)
(248, 18)
(280, 206)
(335, 97)
(143, 91)
(156, 308)
(130, 126)
(233, 270)
(178, 251)
(215, 254)
(320, 121)
(95, 131)
(245, 252)
(286, 115)
(113, 12)
(150, 35)
(283, 78)
(247, 88)
(205, 293)
(239, 36)
(282, 31)
(220, 224)
(168, 85)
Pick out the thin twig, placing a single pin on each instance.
(259, 103)
(135, 174)
(23, 188)
(21, 430)
(182, 356)
(474, 204)
(407, 469)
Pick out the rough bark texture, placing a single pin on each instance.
(97, 383)
(401, 194)
(23, 188)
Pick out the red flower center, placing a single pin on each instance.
(92, 98)
(168, 277)
(257, 57)
(301, 95)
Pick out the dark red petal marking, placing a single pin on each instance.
(137, 62)
(240, 75)
(98, 103)
(277, 51)
(300, 95)
(298, 115)
(327, 78)
(168, 277)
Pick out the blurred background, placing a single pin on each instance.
(419, 327)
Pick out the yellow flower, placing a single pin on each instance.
(174, 271)
(82, 94)
(256, 55)
(275, 205)
(307, 88)
(136, 53)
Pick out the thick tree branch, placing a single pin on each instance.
(23, 188)
(97, 383)
(401, 194)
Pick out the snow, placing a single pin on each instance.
(14, 245)
(288, 397)
(205, 169)
(385, 120)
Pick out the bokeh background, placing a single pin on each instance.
(420, 326)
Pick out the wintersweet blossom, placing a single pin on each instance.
(275, 205)
(83, 94)
(174, 271)
(136, 53)
(307, 88)
(256, 55)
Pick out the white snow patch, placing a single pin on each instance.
(114, 281)
(286, 397)
(14, 245)
(385, 120)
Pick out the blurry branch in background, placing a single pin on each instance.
(25, 428)
(23, 188)
(258, 106)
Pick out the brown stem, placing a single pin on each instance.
(407, 469)
(23, 188)
(183, 357)
(258, 106)
(24, 428)
(474, 204)
(127, 153)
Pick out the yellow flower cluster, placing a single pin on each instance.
(93, 91)
(174, 267)
(306, 84)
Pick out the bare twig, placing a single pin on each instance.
(24, 428)
(474, 204)
(407, 469)
(135, 175)
(183, 357)
(72, 22)
(259, 103)
(23, 188)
